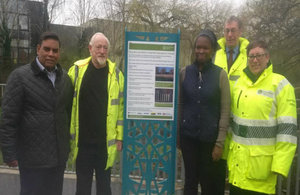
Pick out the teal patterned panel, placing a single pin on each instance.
(149, 151)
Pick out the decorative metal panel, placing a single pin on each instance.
(149, 151)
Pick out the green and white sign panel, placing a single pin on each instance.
(151, 84)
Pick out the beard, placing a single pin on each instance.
(101, 60)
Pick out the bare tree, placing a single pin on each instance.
(140, 15)
(8, 25)
(155, 15)
(85, 10)
(117, 12)
(278, 23)
(194, 15)
(190, 16)
(54, 8)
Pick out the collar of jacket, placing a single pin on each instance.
(86, 61)
(243, 43)
(206, 66)
(264, 74)
(36, 69)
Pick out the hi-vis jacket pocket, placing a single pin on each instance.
(260, 162)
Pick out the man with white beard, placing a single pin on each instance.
(97, 116)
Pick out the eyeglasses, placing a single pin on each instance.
(228, 30)
(258, 56)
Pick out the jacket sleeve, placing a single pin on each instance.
(180, 103)
(69, 92)
(120, 122)
(225, 108)
(12, 106)
(71, 73)
(286, 139)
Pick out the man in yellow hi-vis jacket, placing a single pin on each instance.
(97, 116)
(232, 57)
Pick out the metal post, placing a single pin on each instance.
(279, 185)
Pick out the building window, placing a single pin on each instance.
(23, 22)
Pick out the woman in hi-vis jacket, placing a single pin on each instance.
(264, 125)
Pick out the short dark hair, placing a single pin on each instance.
(211, 37)
(48, 35)
(235, 19)
(260, 43)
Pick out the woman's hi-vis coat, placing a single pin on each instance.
(264, 127)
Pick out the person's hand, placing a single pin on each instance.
(13, 163)
(119, 144)
(217, 153)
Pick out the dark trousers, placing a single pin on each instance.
(238, 191)
(88, 161)
(200, 168)
(220, 176)
(37, 181)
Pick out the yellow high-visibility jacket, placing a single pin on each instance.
(236, 69)
(115, 107)
(238, 65)
(264, 126)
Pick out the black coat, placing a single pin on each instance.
(35, 119)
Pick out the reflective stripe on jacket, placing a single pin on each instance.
(238, 65)
(264, 136)
(114, 121)
(235, 71)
